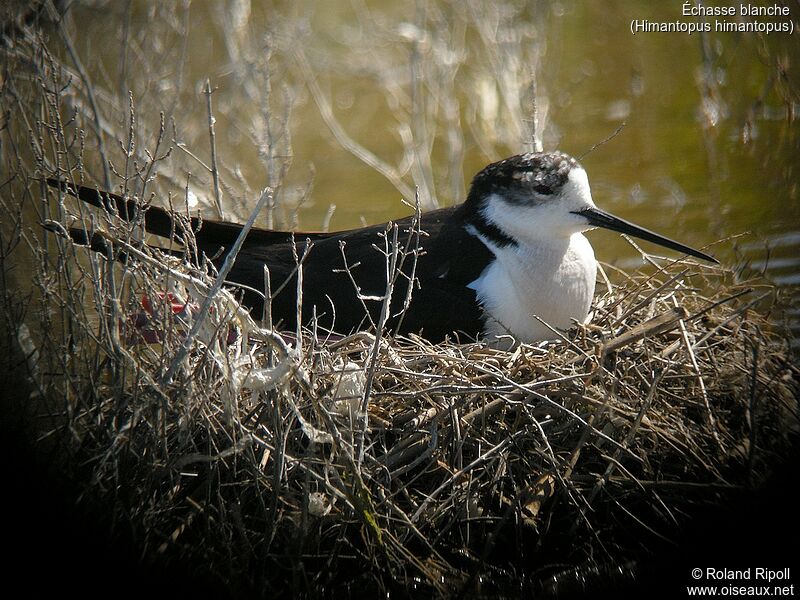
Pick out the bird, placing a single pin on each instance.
(510, 262)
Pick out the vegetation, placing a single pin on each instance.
(265, 461)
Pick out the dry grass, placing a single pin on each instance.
(239, 453)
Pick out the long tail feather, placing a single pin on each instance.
(156, 220)
(210, 234)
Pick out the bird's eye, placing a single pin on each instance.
(536, 179)
(524, 176)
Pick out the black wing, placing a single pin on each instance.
(344, 273)
(215, 234)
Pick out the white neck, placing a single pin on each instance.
(552, 279)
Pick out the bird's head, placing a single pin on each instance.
(545, 196)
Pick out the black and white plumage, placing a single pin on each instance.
(509, 259)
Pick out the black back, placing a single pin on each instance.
(441, 303)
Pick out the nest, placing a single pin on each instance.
(364, 462)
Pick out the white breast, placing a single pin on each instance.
(554, 282)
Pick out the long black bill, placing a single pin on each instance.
(600, 218)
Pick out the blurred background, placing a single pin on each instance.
(348, 107)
